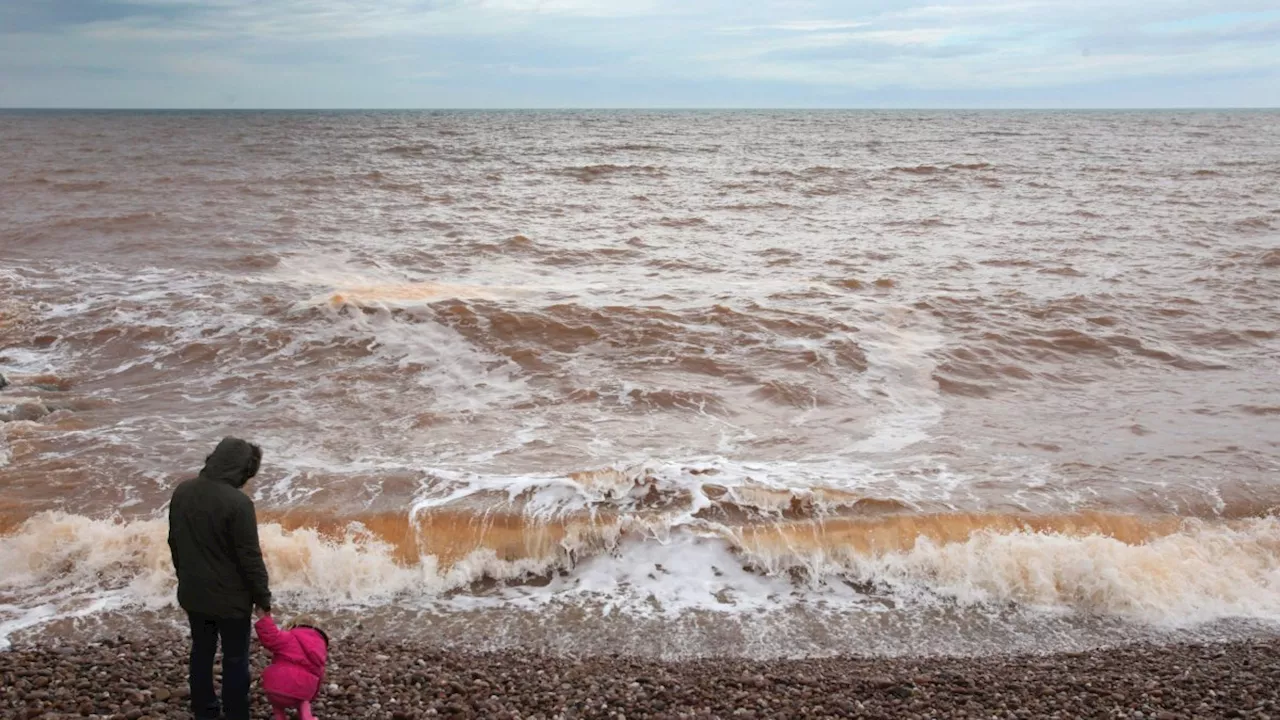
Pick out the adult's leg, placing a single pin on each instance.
(235, 667)
(204, 644)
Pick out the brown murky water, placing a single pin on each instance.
(1013, 374)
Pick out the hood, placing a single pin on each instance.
(315, 645)
(234, 461)
(309, 623)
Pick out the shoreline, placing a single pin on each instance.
(381, 677)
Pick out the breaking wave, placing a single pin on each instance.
(1161, 571)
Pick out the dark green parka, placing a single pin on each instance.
(213, 536)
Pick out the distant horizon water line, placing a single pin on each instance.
(73, 109)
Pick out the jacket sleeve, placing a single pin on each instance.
(268, 634)
(244, 537)
(173, 547)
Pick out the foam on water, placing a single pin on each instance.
(1203, 573)
(59, 565)
(769, 489)
(900, 368)
(461, 376)
(776, 361)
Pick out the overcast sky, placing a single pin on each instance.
(639, 53)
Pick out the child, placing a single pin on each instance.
(298, 656)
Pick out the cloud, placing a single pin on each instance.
(794, 26)
(579, 8)
(635, 52)
(1177, 39)
(814, 25)
(1016, 45)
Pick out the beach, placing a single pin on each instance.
(383, 678)
(881, 400)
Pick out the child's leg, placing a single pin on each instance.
(279, 704)
(304, 711)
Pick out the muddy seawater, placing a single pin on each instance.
(671, 384)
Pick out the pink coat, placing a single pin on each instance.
(297, 660)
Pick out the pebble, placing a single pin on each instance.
(370, 679)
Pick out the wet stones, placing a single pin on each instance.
(135, 679)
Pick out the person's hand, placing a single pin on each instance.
(260, 612)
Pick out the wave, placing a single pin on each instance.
(756, 206)
(1165, 571)
(1034, 339)
(774, 337)
(631, 147)
(1257, 222)
(409, 294)
(591, 173)
(681, 222)
(72, 186)
(412, 150)
(112, 223)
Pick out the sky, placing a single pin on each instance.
(639, 53)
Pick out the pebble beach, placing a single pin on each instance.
(378, 678)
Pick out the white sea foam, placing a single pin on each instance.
(57, 565)
(900, 368)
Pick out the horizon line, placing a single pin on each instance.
(569, 108)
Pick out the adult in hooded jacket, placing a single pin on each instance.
(213, 538)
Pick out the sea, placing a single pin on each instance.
(664, 383)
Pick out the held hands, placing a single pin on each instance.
(260, 612)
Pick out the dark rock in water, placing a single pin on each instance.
(4, 381)
(61, 406)
(24, 412)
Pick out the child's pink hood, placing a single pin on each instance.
(297, 660)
